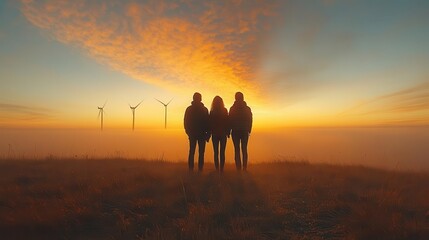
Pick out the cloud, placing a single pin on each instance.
(408, 100)
(410, 105)
(172, 44)
(21, 112)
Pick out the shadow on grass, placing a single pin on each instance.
(121, 199)
(228, 205)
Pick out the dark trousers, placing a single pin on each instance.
(201, 148)
(219, 141)
(240, 138)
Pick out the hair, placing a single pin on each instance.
(239, 96)
(197, 97)
(217, 104)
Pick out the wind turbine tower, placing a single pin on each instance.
(133, 110)
(101, 114)
(165, 111)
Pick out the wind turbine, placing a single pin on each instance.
(101, 113)
(165, 111)
(133, 109)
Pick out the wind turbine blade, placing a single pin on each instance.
(160, 101)
(99, 113)
(138, 104)
(130, 105)
(170, 101)
(104, 104)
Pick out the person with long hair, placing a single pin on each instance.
(219, 129)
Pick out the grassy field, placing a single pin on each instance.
(125, 199)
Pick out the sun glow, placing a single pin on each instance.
(294, 63)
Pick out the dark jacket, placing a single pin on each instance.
(196, 120)
(240, 117)
(219, 123)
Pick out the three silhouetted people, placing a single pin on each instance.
(196, 123)
(200, 125)
(220, 130)
(240, 119)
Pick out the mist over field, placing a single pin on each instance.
(339, 120)
(400, 148)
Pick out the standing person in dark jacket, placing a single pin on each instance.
(240, 118)
(219, 128)
(196, 123)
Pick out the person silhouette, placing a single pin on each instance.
(219, 129)
(196, 123)
(240, 119)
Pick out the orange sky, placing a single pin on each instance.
(299, 63)
(313, 71)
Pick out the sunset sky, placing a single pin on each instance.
(299, 63)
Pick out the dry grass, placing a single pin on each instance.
(120, 199)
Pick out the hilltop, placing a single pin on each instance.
(117, 198)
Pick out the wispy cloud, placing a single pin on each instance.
(410, 105)
(203, 44)
(408, 100)
(20, 112)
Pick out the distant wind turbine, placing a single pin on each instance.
(133, 109)
(101, 114)
(165, 111)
